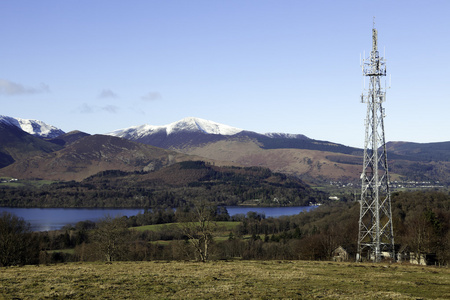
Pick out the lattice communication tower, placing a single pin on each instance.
(376, 237)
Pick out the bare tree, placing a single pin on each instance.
(199, 226)
(111, 237)
(18, 246)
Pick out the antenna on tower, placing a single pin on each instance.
(376, 235)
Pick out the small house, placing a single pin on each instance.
(423, 259)
(405, 254)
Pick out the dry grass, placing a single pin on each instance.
(222, 225)
(290, 161)
(224, 280)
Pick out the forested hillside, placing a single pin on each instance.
(172, 186)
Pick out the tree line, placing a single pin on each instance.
(173, 186)
(421, 225)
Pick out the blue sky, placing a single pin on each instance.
(265, 66)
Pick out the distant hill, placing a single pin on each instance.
(90, 155)
(186, 132)
(194, 132)
(309, 159)
(293, 154)
(68, 138)
(421, 151)
(171, 186)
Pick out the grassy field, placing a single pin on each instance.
(225, 280)
(222, 231)
(156, 227)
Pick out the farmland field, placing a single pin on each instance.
(225, 280)
(220, 225)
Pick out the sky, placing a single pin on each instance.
(260, 65)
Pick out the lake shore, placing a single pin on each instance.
(46, 219)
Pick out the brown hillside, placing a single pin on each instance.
(315, 166)
(92, 154)
(299, 162)
(69, 138)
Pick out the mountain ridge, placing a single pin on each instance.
(292, 154)
(33, 127)
(189, 124)
(41, 129)
(16, 144)
(191, 132)
(298, 155)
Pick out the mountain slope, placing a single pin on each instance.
(177, 135)
(33, 127)
(421, 151)
(90, 155)
(185, 125)
(16, 144)
(68, 138)
(288, 153)
(194, 132)
(310, 165)
(309, 159)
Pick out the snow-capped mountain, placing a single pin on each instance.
(193, 132)
(33, 127)
(188, 125)
(278, 135)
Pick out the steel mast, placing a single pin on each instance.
(376, 236)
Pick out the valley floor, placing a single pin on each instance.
(224, 280)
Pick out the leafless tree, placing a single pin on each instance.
(18, 246)
(111, 237)
(199, 226)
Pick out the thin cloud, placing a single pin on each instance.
(90, 109)
(151, 96)
(85, 109)
(110, 108)
(10, 88)
(107, 93)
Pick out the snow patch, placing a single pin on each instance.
(34, 127)
(187, 124)
(286, 135)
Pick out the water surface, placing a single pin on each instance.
(44, 219)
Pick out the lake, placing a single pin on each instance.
(44, 219)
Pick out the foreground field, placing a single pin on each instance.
(222, 280)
